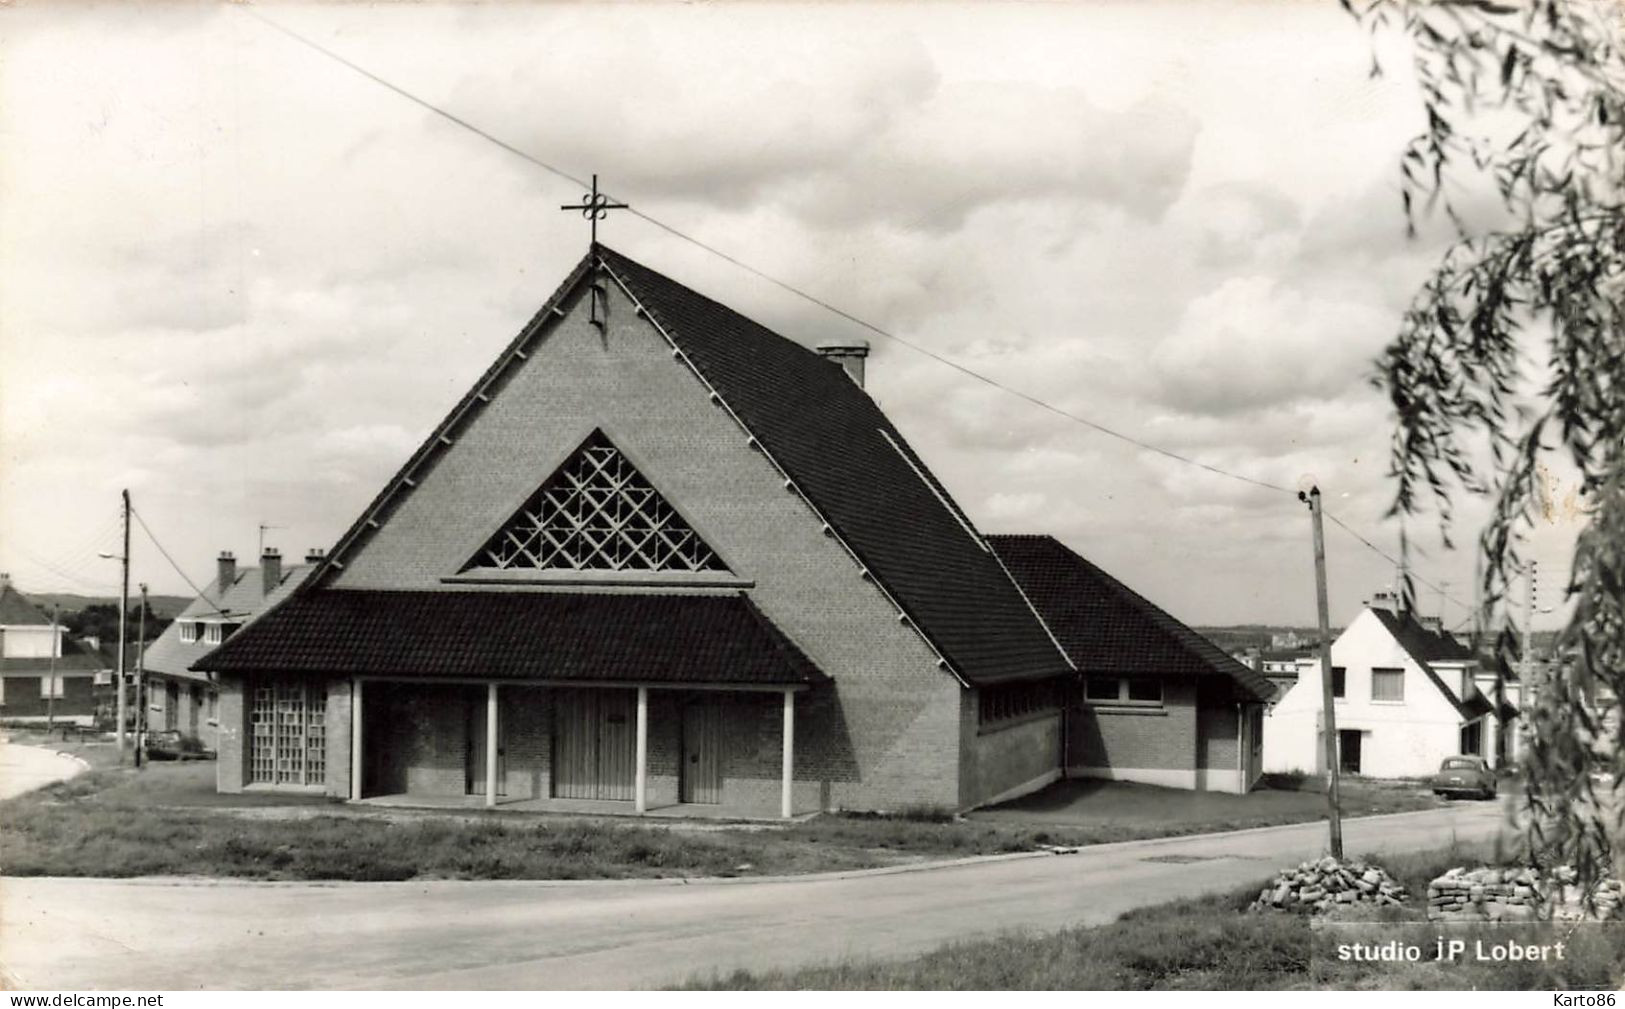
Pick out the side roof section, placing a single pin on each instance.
(1107, 627)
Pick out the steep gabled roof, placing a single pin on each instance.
(239, 603)
(592, 637)
(17, 610)
(1107, 627)
(1426, 647)
(839, 451)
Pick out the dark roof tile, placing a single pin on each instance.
(857, 469)
(1107, 627)
(518, 635)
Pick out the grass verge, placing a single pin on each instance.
(167, 819)
(1208, 943)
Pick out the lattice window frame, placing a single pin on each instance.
(287, 733)
(597, 513)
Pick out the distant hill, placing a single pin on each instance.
(1240, 637)
(168, 607)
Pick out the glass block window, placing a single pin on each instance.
(288, 733)
(597, 513)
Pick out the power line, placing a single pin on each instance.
(195, 590)
(1391, 560)
(789, 288)
(735, 261)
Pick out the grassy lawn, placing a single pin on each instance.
(1209, 943)
(167, 819)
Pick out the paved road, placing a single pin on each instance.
(24, 768)
(181, 934)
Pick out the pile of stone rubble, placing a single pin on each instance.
(1494, 894)
(1321, 886)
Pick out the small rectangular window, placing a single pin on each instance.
(1338, 676)
(50, 686)
(1102, 688)
(1144, 689)
(1387, 684)
(188, 631)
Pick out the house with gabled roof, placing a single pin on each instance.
(658, 557)
(44, 674)
(1159, 704)
(175, 696)
(1406, 693)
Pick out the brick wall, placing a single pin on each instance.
(1004, 759)
(339, 697)
(231, 765)
(1118, 741)
(886, 735)
(1217, 731)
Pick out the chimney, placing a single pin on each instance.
(92, 642)
(228, 570)
(1255, 659)
(271, 568)
(1434, 624)
(315, 555)
(1384, 601)
(5, 580)
(849, 354)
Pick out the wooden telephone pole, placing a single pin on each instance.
(141, 679)
(50, 687)
(1334, 809)
(123, 617)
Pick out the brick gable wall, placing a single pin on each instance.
(887, 734)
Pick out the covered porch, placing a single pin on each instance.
(609, 748)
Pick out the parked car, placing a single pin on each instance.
(1465, 775)
(173, 744)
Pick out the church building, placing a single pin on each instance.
(657, 558)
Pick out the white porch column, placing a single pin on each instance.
(490, 744)
(788, 758)
(355, 738)
(642, 780)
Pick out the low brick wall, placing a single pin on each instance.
(1499, 894)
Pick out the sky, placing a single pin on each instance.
(244, 281)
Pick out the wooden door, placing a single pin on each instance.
(476, 735)
(594, 744)
(702, 753)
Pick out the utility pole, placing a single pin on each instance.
(1529, 589)
(50, 690)
(123, 617)
(141, 678)
(1334, 810)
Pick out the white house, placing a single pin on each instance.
(1407, 695)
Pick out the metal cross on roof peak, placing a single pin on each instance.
(594, 206)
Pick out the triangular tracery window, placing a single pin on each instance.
(597, 513)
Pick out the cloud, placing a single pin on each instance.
(1253, 343)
